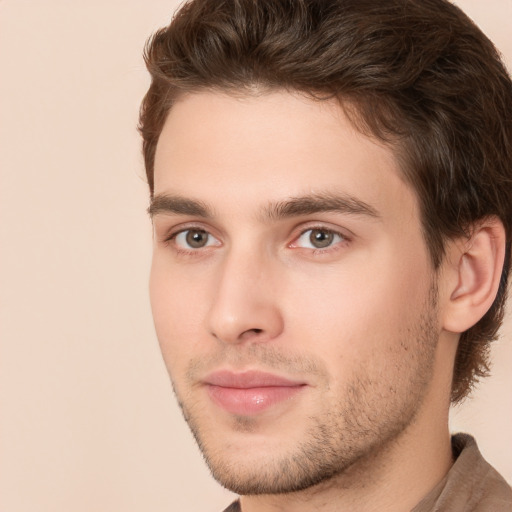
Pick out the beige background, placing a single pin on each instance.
(88, 420)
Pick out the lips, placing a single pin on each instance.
(249, 393)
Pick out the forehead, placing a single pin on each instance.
(245, 150)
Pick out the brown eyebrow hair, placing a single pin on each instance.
(292, 207)
(171, 204)
(319, 202)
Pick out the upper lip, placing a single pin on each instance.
(249, 379)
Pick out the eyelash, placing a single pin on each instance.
(344, 239)
(171, 237)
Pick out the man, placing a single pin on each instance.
(331, 197)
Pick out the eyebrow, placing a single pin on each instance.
(317, 203)
(292, 207)
(177, 205)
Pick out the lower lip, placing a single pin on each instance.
(250, 401)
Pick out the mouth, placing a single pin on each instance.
(251, 392)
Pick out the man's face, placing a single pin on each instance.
(292, 292)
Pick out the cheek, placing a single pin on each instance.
(178, 312)
(355, 311)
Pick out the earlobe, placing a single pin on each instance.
(476, 266)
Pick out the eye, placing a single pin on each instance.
(318, 238)
(194, 239)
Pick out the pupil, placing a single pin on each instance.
(320, 239)
(196, 238)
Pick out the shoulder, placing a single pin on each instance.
(471, 485)
(234, 507)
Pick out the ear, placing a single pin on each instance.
(473, 268)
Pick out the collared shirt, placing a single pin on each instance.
(471, 485)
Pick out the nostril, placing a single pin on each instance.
(249, 332)
(252, 334)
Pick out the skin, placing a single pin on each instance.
(360, 322)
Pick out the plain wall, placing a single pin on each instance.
(88, 419)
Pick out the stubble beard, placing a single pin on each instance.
(372, 415)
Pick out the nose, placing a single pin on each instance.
(245, 304)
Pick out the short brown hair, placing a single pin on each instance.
(417, 73)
